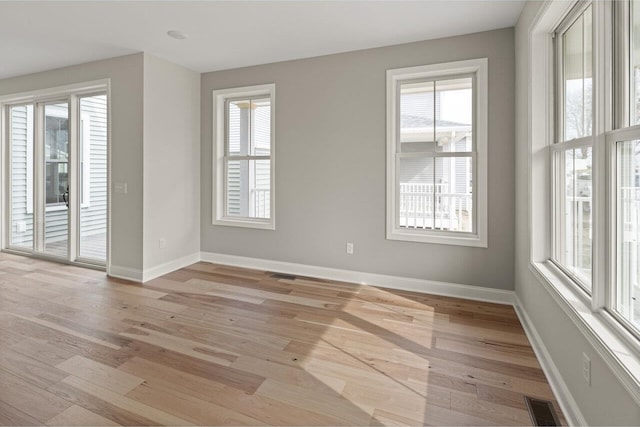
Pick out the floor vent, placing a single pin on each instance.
(283, 276)
(541, 412)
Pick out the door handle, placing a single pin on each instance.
(65, 197)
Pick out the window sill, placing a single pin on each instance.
(618, 348)
(246, 223)
(440, 238)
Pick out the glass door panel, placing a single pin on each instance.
(56, 179)
(92, 156)
(21, 177)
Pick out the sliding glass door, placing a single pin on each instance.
(55, 178)
(20, 145)
(56, 203)
(92, 178)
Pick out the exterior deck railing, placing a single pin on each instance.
(629, 276)
(261, 203)
(421, 208)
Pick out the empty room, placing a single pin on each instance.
(320, 213)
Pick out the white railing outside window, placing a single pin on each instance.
(579, 208)
(629, 252)
(452, 211)
(261, 203)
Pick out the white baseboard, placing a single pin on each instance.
(566, 401)
(476, 293)
(125, 273)
(168, 267)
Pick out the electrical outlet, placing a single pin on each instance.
(162, 243)
(350, 248)
(586, 368)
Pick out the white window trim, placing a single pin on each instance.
(219, 216)
(617, 347)
(479, 67)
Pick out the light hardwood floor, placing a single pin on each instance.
(217, 345)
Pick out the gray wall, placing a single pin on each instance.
(126, 74)
(330, 164)
(171, 161)
(606, 402)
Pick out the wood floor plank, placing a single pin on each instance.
(398, 398)
(30, 399)
(267, 410)
(9, 338)
(197, 323)
(10, 416)
(78, 416)
(69, 331)
(31, 370)
(189, 407)
(230, 376)
(351, 413)
(156, 415)
(266, 295)
(68, 343)
(102, 375)
(497, 413)
(99, 406)
(180, 345)
(494, 350)
(289, 374)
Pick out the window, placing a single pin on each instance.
(436, 153)
(597, 146)
(627, 289)
(623, 143)
(244, 157)
(573, 148)
(581, 63)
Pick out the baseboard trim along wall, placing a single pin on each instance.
(125, 273)
(168, 267)
(565, 399)
(476, 293)
(143, 276)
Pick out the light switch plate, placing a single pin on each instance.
(120, 187)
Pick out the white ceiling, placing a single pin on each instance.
(42, 35)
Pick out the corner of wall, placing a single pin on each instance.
(171, 164)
